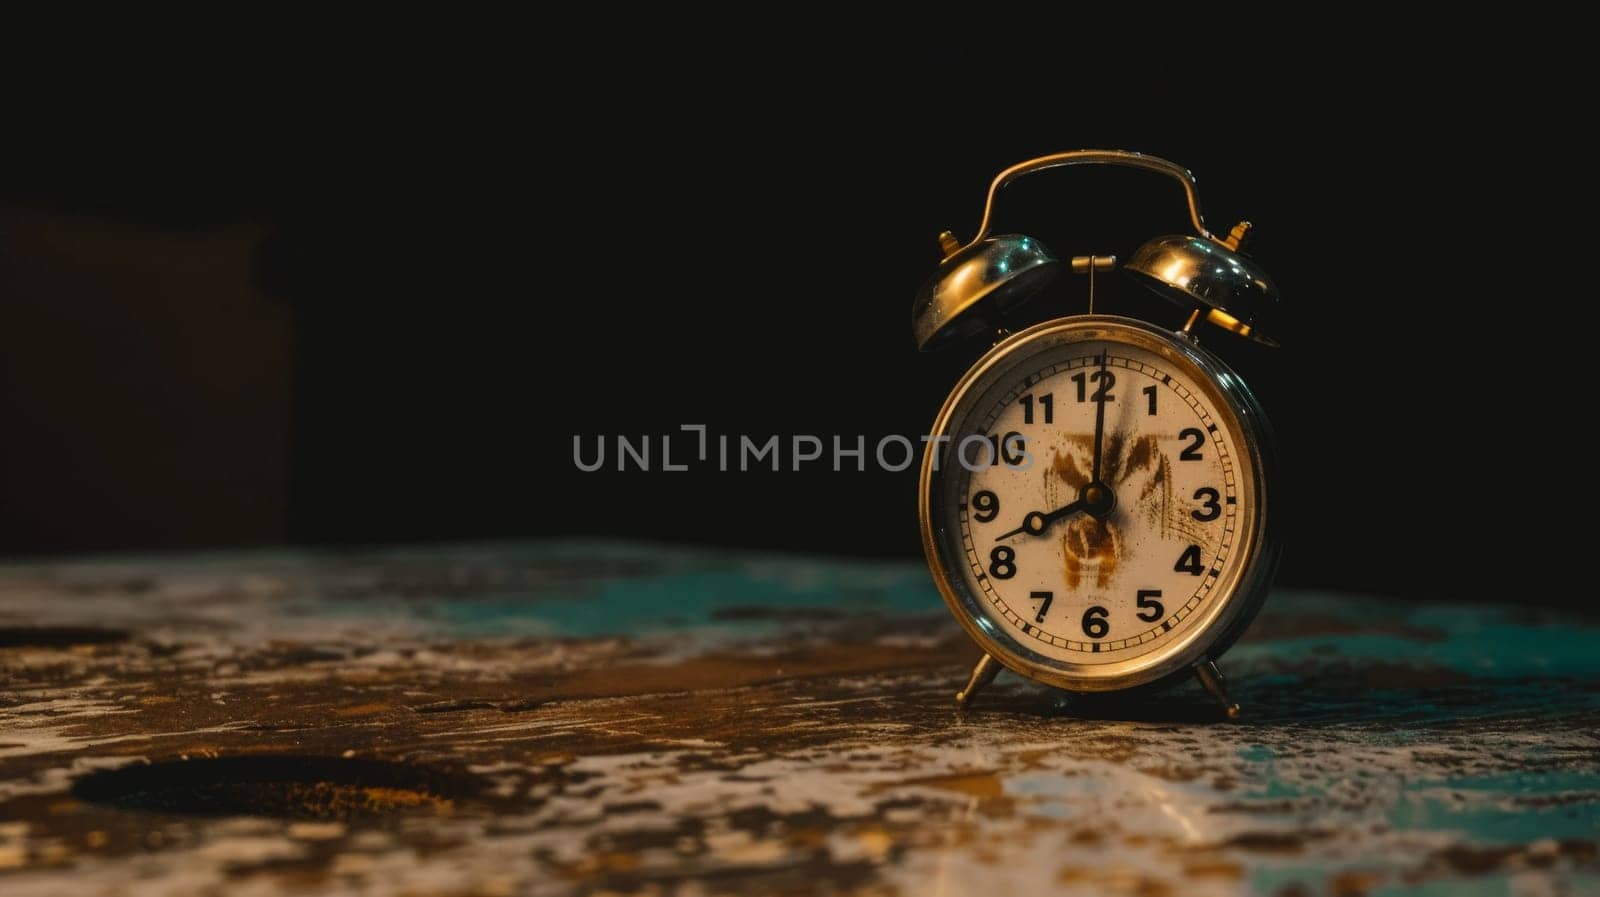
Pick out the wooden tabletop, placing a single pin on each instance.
(584, 718)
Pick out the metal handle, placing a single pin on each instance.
(1098, 157)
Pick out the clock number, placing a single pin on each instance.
(1043, 608)
(1002, 562)
(1189, 561)
(1012, 449)
(1094, 622)
(985, 502)
(1192, 452)
(1046, 401)
(1147, 603)
(1013, 440)
(1150, 396)
(1106, 379)
(1209, 498)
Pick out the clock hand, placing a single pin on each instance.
(1036, 522)
(1099, 418)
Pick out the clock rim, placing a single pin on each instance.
(1243, 598)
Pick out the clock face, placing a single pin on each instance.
(1097, 501)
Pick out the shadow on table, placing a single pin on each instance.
(1335, 696)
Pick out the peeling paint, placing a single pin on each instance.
(647, 721)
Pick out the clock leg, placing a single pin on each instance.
(1211, 680)
(982, 675)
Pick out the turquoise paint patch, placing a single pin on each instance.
(1482, 641)
(1424, 663)
(691, 600)
(1489, 824)
(1278, 789)
(1552, 782)
(1513, 807)
(1486, 886)
(1264, 772)
(1279, 880)
(683, 590)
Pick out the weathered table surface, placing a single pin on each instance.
(585, 719)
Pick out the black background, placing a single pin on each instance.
(476, 266)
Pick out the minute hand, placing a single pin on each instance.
(1099, 418)
(1037, 522)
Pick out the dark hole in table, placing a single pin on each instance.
(290, 786)
(58, 636)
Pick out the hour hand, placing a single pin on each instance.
(1036, 522)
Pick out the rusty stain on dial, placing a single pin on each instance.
(1140, 475)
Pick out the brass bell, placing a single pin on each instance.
(978, 282)
(1237, 294)
(990, 277)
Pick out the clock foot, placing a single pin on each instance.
(982, 675)
(1211, 680)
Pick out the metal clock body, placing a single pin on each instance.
(1164, 569)
(1095, 497)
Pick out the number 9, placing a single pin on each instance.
(985, 503)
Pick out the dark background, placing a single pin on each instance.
(371, 309)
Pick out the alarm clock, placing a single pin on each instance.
(1095, 497)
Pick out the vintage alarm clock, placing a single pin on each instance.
(1094, 498)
